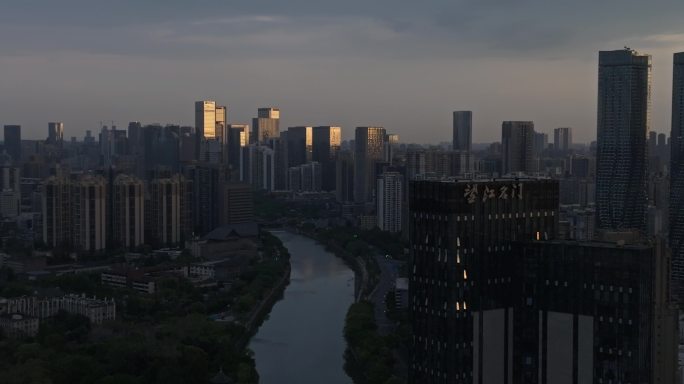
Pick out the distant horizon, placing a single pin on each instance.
(403, 66)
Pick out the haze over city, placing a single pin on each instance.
(402, 65)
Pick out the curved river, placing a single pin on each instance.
(301, 341)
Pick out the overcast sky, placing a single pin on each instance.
(404, 65)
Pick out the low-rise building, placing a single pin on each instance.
(128, 278)
(96, 310)
(16, 325)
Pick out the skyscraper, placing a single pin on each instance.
(369, 149)
(205, 119)
(237, 138)
(624, 98)
(210, 122)
(344, 177)
(299, 145)
(266, 125)
(13, 142)
(326, 144)
(55, 132)
(677, 179)
(562, 139)
(517, 141)
(463, 131)
(461, 277)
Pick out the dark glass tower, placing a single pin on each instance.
(624, 98)
(677, 179)
(461, 277)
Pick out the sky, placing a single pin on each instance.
(404, 65)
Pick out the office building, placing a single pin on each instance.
(585, 312)
(390, 199)
(462, 131)
(266, 126)
(210, 123)
(326, 145)
(13, 142)
(238, 138)
(368, 151)
(676, 234)
(562, 139)
(344, 177)
(461, 277)
(55, 133)
(128, 210)
(624, 98)
(299, 145)
(517, 141)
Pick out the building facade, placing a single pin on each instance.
(390, 201)
(676, 233)
(517, 141)
(462, 131)
(128, 209)
(326, 145)
(461, 277)
(369, 148)
(266, 125)
(624, 99)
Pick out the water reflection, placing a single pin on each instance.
(302, 341)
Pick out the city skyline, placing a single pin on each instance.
(398, 67)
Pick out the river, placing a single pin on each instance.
(302, 339)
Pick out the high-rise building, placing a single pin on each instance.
(562, 139)
(584, 312)
(13, 142)
(89, 217)
(677, 179)
(463, 131)
(266, 125)
(541, 142)
(55, 133)
(461, 277)
(56, 203)
(624, 98)
(10, 189)
(390, 199)
(517, 141)
(208, 181)
(169, 218)
(299, 145)
(238, 138)
(415, 164)
(257, 167)
(326, 144)
(344, 177)
(210, 123)
(128, 210)
(368, 151)
(205, 119)
(238, 204)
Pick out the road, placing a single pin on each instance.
(389, 271)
